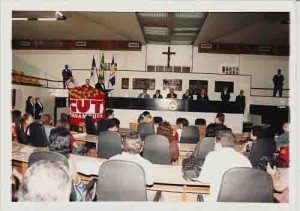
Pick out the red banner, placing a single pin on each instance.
(86, 102)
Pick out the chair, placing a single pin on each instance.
(156, 149)
(157, 119)
(89, 125)
(46, 155)
(200, 122)
(205, 146)
(246, 185)
(145, 129)
(120, 180)
(109, 144)
(189, 135)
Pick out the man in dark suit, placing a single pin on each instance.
(100, 85)
(278, 83)
(157, 94)
(203, 95)
(30, 106)
(66, 74)
(225, 96)
(39, 108)
(87, 84)
(241, 101)
(171, 94)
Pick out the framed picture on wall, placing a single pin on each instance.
(172, 83)
(143, 83)
(220, 85)
(125, 83)
(196, 85)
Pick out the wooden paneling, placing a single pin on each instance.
(233, 48)
(76, 45)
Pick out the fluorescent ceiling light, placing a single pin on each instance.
(47, 19)
(181, 42)
(153, 14)
(163, 31)
(20, 19)
(157, 42)
(178, 29)
(185, 34)
(189, 14)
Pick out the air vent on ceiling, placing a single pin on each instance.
(80, 43)
(206, 46)
(24, 43)
(133, 45)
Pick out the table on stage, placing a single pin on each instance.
(167, 178)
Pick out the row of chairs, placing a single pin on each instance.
(113, 184)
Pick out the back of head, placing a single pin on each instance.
(225, 138)
(133, 143)
(164, 128)
(38, 136)
(16, 116)
(112, 125)
(220, 117)
(46, 181)
(184, 122)
(60, 140)
(65, 117)
(46, 119)
(109, 114)
(145, 113)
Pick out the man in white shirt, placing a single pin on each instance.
(219, 161)
(132, 147)
(144, 94)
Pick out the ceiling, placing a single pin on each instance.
(157, 28)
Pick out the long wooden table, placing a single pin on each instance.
(167, 178)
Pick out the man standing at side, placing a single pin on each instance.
(66, 74)
(225, 96)
(278, 83)
(100, 85)
(241, 101)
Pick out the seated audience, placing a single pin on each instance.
(133, 145)
(144, 94)
(262, 146)
(46, 181)
(47, 121)
(164, 128)
(22, 128)
(203, 95)
(280, 181)
(187, 95)
(102, 124)
(171, 94)
(182, 123)
(283, 139)
(219, 161)
(157, 94)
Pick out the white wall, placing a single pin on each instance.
(22, 92)
(48, 63)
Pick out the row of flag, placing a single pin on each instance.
(100, 71)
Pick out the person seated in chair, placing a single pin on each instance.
(164, 128)
(283, 139)
(157, 94)
(219, 120)
(262, 145)
(183, 123)
(203, 95)
(112, 125)
(144, 94)
(133, 145)
(187, 95)
(172, 94)
(219, 161)
(46, 181)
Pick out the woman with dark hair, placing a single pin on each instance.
(30, 106)
(37, 135)
(263, 145)
(38, 108)
(22, 128)
(164, 128)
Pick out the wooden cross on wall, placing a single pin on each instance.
(169, 53)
